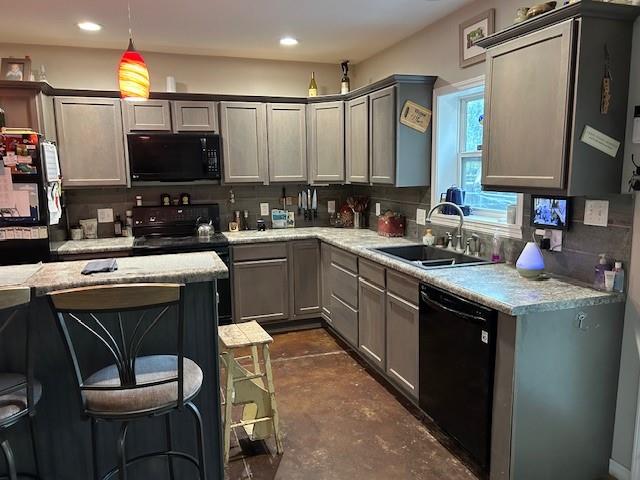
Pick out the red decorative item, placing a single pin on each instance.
(133, 75)
(391, 224)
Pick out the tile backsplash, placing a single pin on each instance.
(581, 244)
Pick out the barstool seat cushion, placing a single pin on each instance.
(13, 403)
(139, 399)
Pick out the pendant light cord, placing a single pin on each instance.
(129, 16)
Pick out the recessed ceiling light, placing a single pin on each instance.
(288, 41)
(90, 26)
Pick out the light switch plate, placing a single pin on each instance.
(264, 209)
(105, 215)
(377, 209)
(421, 216)
(331, 206)
(596, 212)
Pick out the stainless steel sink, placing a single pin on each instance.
(429, 257)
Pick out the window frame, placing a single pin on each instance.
(484, 220)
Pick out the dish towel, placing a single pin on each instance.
(96, 266)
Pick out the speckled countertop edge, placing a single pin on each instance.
(98, 245)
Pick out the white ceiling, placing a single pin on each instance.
(328, 30)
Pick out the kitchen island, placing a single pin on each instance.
(63, 436)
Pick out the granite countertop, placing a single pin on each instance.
(498, 286)
(98, 245)
(179, 268)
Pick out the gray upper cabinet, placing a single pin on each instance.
(527, 106)
(147, 115)
(357, 140)
(91, 142)
(325, 136)
(191, 116)
(306, 277)
(541, 94)
(287, 142)
(243, 127)
(382, 136)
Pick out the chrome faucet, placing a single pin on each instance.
(460, 214)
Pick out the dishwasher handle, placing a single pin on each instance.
(467, 316)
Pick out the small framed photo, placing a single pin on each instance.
(471, 31)
(18, 69)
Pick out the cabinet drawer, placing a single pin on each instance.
(344, 320)
(264, 251)
(403, 286)
(344, 259)
(344, 284)
(372, 272)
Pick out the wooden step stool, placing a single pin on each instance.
(247, 388)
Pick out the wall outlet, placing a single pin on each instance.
(105, 215)
(377, 209)
(421, 216)
(596, 212)
(331, 206)
(264, 209)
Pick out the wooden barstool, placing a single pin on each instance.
(117, 320)
(19, 393)
(247, 388)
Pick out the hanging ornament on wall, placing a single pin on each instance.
(133, 75)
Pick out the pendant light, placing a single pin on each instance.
(133, 75)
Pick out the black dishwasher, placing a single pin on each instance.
(457, 358)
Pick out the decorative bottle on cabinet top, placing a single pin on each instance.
(313, 86)
(345, 83)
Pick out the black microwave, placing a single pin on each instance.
(173, 158)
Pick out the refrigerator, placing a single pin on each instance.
(24, 212)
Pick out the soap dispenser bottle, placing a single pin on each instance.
(601, 267)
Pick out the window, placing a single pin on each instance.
(458, 160)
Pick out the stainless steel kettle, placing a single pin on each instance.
(205, 230)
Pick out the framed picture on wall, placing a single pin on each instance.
(471, 31)
(17, 69)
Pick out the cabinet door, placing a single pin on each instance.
(261, 290)
(344, 320)
(20, 108)
(147, 115)
(372, 322)
(325, 136)
(90, 141)
(325, 253)
(306, 277)
(382, 131)
(357, 140)
(287, 142)
(402, 343)
(527, 110)
(243, 127)
(194, 116)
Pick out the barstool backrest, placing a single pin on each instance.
(118, 320)
(14, 301)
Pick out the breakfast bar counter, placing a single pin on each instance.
(64, 436)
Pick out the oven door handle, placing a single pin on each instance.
(467, 316)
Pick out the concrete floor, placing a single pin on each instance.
(340, 422)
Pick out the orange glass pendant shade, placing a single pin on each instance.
(133, 75)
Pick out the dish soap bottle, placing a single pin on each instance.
(618, 283)
(602, 267)
(495, 248)
(428, 238)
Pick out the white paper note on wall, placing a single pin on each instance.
(52, 165)
(600, 141)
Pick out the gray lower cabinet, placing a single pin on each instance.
(325, 137)
(90, 142)
(402, 316)
(382, 136)
(305, 256)
(243, 127)
(261, 290)
(357, 140)
(343, 278)
(287, 142)
(325, 259)
(344, 319)
(147, 115)
(372, 322)
(192, 116)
